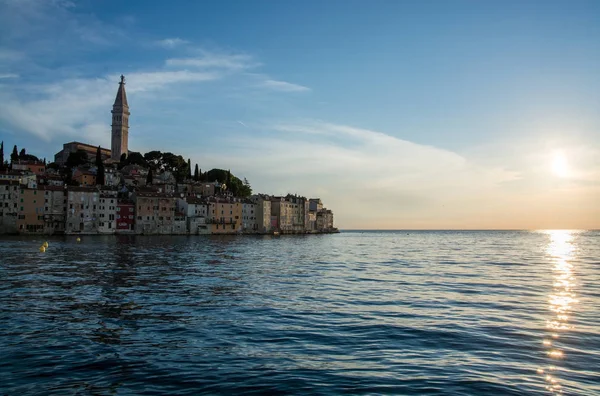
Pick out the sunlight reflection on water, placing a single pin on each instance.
(561, 250)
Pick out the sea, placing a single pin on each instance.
(360, 312)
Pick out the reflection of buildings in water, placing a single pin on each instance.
(561, 250)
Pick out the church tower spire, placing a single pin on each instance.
(120, 123)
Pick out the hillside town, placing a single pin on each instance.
(88, 189)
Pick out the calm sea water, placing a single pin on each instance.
(358, 312)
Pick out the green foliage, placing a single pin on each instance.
(53, 165)
(100, 166)
(77, 158)
(135, 158)
(196, 174)
(15, 154)
(2, 155)
(235, 185)
(154, 159)
(150, 177)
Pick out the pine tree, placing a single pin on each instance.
(14, 157)
(189, 169)
(149, 177)
(100, 166)
(2, 155)
(22, 154)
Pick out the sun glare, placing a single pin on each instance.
(559, 165)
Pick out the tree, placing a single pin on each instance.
(154, 159)
(14, 157)
(22, 154)
(100, 166)
(189, 166)
(2, 155)
(149, 177)
(77, 158)
(196, 176)
(135, 158)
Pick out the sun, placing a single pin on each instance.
(559, 165)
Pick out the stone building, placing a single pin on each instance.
(72, 147)
(119, 134)
(55, 204)
(224, 216)
(82, 210)
(30, 217)
(196, 210)
(10, 191)
(156, 214)
(37, 167)
(107, 212)
(120, 124)
(125, 216)
(263, 212)
(249, 219)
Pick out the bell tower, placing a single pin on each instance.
(120, 123)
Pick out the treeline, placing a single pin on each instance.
(15, 156)
(157, 162)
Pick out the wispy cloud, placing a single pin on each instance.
(283, 86)
(171, 43)
(8, 75)
(214, 60)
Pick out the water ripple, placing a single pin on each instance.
(359, 312)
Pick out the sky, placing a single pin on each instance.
(397, 114)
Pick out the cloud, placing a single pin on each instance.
(9, 75)
(283, 86)
(171, 43)
(214, 60)
(367, 177)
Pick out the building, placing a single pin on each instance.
(72, 147)
(155, 213)
(82, 210)
(10, 191)
(30, 217)
(55, 205)
(120, 124)
(324, 220)
(289, 213)
(263, 213)
(195, 210)
(249, 219)
(107, 212)
(125, 216)
(224, 216)
(37, 167)
(84, 177)
(119, 134)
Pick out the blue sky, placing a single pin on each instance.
(440, 114)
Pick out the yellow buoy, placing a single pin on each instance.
(45, 244)
(78, 239)
(42, 248)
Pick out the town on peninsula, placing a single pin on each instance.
(88, 189)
